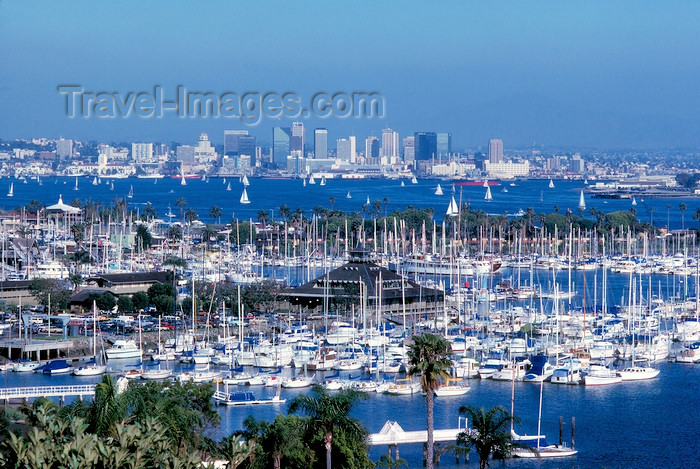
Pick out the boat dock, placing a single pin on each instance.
(243, 399)
(46, 391)
(36, 350)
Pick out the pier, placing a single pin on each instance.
(393, 435)
(46, 391)
(34, 349)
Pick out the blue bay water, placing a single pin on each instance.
(270, 194)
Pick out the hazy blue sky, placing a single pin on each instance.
(578, 74)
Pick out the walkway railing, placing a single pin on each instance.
(47, 391)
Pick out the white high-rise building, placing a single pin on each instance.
(298, 137)
(390, 143)
(343, 149)
(320, 143)
(353, 149)
(64, 148)
(496, 150)
(142, 152)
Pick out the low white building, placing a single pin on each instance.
(507, 170)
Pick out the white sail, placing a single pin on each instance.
(488, 196)
(244, 197)
(348, 196)
(245, 180)
(312, 180)
(76, 184)
(367, 200)
(414, 180)
(438, 191)
(486, 183)
(130, 195)
(402, 184)
(551, 184)
(183, 182)
(582, 202)
(11, 192)
(94, 181)
(323, 180)
(228, 187)
(304, 182)
(634, 201)
(452, 209)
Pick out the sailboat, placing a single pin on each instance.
(581, 202)
(367, 200)
(38, 180)
(538, 444)
(91, 368)
(348, 196)
(312, 180)
(224, 181)
(244, 197)
(11, 192)
(585, 181)
(541, 196)
(94, 181)
(438, 191)
(245, 180)
(323, 181)
(228, 187)
(76, 184)
(488, 196)
(414, 180)
(111, 186)
(634, 201)
(551, 184)
(130, 195)
(183, 182)
(402, 184)
(452, 209)
(486, 183)
(304, 183)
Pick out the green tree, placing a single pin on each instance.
(682, 207)
(191, 215)
(428, 357)
(139, 300)
(331, 431)
(161, 296)
(125, 304)
(181, 203)
(215, 213)
(489, 432)
(143, 239)
(78, 232)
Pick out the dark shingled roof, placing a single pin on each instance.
(132, 277)
(351, 273)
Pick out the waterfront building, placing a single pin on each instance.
(495, 150)
(425, 144)
(247, 145)
(64, 148)
(142, 152)
(507, 170)
(232, 141)
(320, 143)
(409, 149)
(343, 149)
(185, 154)
(344, 282)
(298, 139)
(204, 152)
(281, 145)
(444, 143)
(390, 144)
(372, 150)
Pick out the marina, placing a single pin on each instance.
(615, 312)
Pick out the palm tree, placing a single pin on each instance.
(331, 414)
(489, 432)
(191, 215)
(182, 203)
(331, 202)
(428, 357)
(263, 217)
(284, 211)
(215, 213)
(149, 211)
(682, 207)
(696, 216)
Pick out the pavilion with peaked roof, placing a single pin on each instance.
(63, 215)
(398, 295)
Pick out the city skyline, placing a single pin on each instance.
(576, 75)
